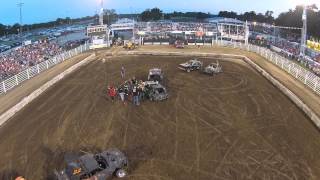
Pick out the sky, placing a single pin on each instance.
(35, 11)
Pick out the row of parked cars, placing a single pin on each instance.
(4, 48)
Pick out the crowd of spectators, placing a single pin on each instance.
(289, 49)
(175, 26)
(20, 58)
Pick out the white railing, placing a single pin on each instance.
(26, 74)
(305, 76)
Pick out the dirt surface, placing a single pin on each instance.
(302, 91)
(17, 94)
(232, 126)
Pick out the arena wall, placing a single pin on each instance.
(25, 101)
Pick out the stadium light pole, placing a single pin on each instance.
(304, 31)
(20, 4)
(101, 13)
(304, 28)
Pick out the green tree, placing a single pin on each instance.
(151, 14)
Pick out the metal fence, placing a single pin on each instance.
(305, 76)
(29, 73)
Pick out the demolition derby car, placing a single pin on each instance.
(213, 68)
(155, 91)
(191, 65)
(96, 166)
(155, 74)
(179, 44)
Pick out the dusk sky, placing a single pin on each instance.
(46, 10)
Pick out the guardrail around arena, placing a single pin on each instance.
(303, 75)
(31, 72)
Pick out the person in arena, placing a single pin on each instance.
(135, 94)
(112, 92)
(122, 93)
(20, 178)
(123, 72)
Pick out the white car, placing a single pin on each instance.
(213, 68)
(155, 74)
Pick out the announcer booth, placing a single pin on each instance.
(99, 36)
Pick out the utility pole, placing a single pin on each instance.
(101, 13)
(304, 31)
(20, 4)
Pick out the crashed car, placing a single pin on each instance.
(213, 68)
(154, 91)
(179, 44)
(191, 65)
(95, 166)
(155, 74)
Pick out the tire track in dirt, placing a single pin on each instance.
(209, 128)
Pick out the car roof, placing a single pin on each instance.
(156, 86)
(89, 162)
(155, 71)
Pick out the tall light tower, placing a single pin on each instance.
(304, 31)
(101, 13)
(20, 4)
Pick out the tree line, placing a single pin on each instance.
(291, 18)
(156, 14)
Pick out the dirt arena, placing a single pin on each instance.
(233, 126)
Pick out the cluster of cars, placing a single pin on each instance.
(113, 162)
(157, 91)
(194, 64)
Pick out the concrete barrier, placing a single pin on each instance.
(12, 111)
(293, 97)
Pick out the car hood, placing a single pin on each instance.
(185, 65)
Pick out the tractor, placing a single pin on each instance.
(130, 46)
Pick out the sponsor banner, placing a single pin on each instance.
(97, 41)
(276, 49)
(199, 33)
(313, 45)
(98, 46)
(141, 33)
(176, 32)
(209, 33)
(189, 32)
(27, 42)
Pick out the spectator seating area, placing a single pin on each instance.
(20, 58)
(175, 26)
